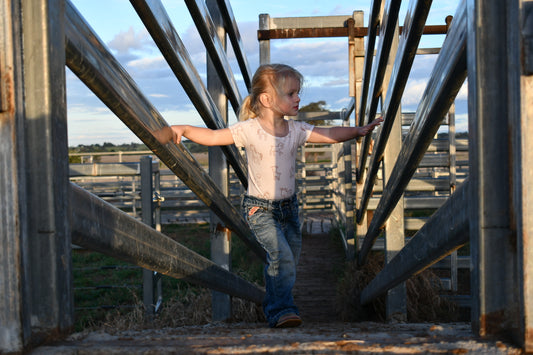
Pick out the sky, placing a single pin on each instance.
(323, 62)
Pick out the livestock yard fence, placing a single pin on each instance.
(43, 214)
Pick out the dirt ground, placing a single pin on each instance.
(310, 338)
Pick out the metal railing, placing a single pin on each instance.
(446, 80)
(479, 210)
(491, 209)
(89, 59)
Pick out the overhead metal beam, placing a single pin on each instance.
(315, 32)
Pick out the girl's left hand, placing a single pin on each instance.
(370, 127)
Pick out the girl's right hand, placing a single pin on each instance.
(169, 134)
(177, 133)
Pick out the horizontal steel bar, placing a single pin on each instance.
(99, 226)
(414, 23)
(215, 49)
(235, 38)
(87, 57)
(445, 231)
(107, 169)
(445, 81)
(160, 27)
(389, 24)
(319, 116)
(315, 32)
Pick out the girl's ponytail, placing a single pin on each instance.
(246, 110)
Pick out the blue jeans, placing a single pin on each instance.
(277, 228)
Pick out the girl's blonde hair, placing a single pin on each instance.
(267, 76)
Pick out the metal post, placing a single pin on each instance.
(396, 303)
(452, 151)
(264, 45)
(48, 258)
(356, 49)
(14, 322)
(35, 234)
(152, 284)
(522, 156)
(494, 97)
(218, 170)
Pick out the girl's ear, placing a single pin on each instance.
(266, 99)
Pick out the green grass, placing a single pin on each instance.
(101, 282)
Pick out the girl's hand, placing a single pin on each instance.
(164, 135)
(364, 130)
(177, 133)
(170, 134)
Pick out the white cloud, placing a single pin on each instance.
(127, 41)
(148, 63)
(323, 62)
(463, 92)
(413, 91)
(461, 122)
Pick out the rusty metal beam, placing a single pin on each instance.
(287, 33)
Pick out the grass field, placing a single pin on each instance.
(108, 292)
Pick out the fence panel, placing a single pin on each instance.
(99, 226)
(412, 32)
(96, 67)
(446, 79)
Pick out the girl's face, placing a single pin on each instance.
(288, 102)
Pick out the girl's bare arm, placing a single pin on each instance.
(341, 134)
(202, 135)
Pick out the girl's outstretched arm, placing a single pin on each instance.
(201, 135)
(341, 134)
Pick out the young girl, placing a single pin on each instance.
(270, 205)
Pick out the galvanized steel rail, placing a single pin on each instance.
(88, 58)
(413, 29)
(498, 224)
(387, 31)
(98, 226)
(446, 79)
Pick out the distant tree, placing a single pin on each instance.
(316, 107)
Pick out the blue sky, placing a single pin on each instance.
(323, 62)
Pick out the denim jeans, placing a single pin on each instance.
(276, 227)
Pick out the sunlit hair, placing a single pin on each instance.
(267, 76)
